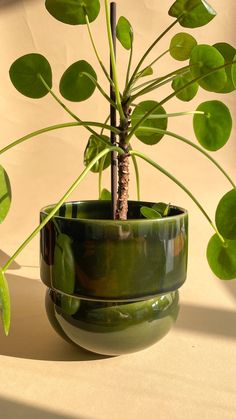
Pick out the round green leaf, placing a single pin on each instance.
(24, 75)
(94, 147)
(222, 257)
(181, 46)
(152, 122)
(5, 194)
(228, 52)
(233, 72)
(5, 308)
(150, 213)
(75, 85)
(73, 12)
(204, 59)
(189, 92)
(194, 13)
(124, 32)
(212, 129)
(226, 215)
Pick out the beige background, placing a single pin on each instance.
(191, 373)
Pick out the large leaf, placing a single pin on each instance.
(226, 215)
(205, 58)
(192, 13)
(212, 129)
(94, 147)
(24, 74)
(222, 257)
(124, 32)
(75, 85)
(5, 194)
(5, 308)
(181, 46)
(189, 92)
(73, 12)
(228, 52)
(152, 122)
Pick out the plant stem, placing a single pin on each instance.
(173, 178)
(55, 127)
(101, 165)
(96, 51)
(171, 115)
(201, 150)
(60, 203)
(136, 169)
(142, 120)
(129, 65)
(106, 121)
(147, 53)
(150, 65)
(95, 82)
(113, 62)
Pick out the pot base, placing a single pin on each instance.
(112, 328)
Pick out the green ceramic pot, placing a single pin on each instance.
(113, 284)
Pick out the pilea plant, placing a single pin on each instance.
(208, 67)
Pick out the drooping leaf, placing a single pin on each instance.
(75, 85)
(5, 308)
(94, 147)
(222, 257)
(233, 72)
(226, 215)
(153, 122)
(105, 195)
(228, 52)
(204, 59)
(73, 12)
(189, 92)
(150, 213)
(24, 75)
(181, 46)
(192, 13)
(124, 32)
(214, 128)
(5, 194)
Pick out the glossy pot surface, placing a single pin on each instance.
(87, 254)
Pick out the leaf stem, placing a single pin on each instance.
(173, 178)
(95, 82)
(139, 75)
(61, 202)
(129, 64)
(101, 165)
(171, 115)
(137, 176)
(113, 62)
(96, 51)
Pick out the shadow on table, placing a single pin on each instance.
(14, 409)
(208, 320)
(31, 336)
(4, 257)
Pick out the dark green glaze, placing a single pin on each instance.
(114, 260)
(113, 328)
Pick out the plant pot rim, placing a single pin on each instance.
(182, 213)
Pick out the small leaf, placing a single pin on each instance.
(226, 215)
(214, 128)
(5, 308)
(148, 71)
(70, 305)
(5, 194)
(152, 122)
(124, 32)
(228, 52)
(205, 58)
(222, 257)
(233, 72)
(162, 208)
(75, 85)
(94, 147)
(192, 13)
(189, 92)
(73, 12)
(105, 195)
(181, 46)
(24, 75)
(150, 213)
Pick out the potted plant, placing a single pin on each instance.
(113, 266)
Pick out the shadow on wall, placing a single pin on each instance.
(31, 335)
(12, 409)
(9, 3)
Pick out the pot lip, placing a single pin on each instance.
(183, 214)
